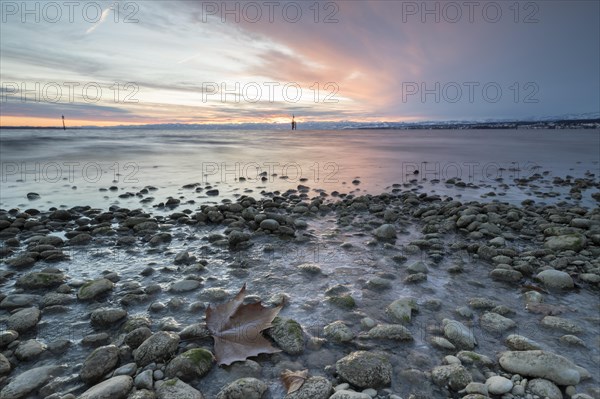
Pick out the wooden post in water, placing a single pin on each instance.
(63, 119)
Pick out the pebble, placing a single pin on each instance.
(453, 375)
(365, 369)
(544, 388)
(288, 335)
(558, 323)
(30, 349)
(5, 366)
(338, 332)
(23, 320)
(538, 363)
(106, 317)
(347, 394)
(521, 343)
(144, 380)
(99, 363)
(313, 388)
(495, 323)
(127, 369)
(442, 343)
(385, 232)
(400, 311)
(160, 345)
(485, 231)
(94, 288)
(29, 381)
(459, 334)
(114, 388)
(498, 385)
(244, 388)
(555, 279)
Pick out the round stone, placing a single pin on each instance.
(498, 385)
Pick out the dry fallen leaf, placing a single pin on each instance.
(293, 380)
(236, 329)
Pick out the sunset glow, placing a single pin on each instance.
(192, 62)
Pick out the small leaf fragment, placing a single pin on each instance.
(293, 380)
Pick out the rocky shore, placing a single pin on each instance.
(410, 296)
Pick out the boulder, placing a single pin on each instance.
(365, 369)
(541, 364)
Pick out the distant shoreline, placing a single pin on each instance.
(546, 124)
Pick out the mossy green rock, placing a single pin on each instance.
(453, 375)
(40, 280)
(365, 369)
(175, 388)
(310, 268)
(469, 357)
(338, 331)
(160, 346)
(190, 365)
(288, 335)
(572, 242)
(400, 311)
(244, 388)
(136, 322)
(94, 288)
(389, 331)
(342, 301)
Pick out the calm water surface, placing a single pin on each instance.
(72, 167)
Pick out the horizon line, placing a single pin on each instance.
(424, 123)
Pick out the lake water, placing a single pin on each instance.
(75, 167)
(79, 167)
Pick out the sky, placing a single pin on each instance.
(110, 63)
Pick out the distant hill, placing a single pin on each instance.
(571, 121)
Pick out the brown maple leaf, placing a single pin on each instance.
(236, 329)
(293, 380)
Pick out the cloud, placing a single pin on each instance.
(370, 53)
(103, 17)
(71, 111)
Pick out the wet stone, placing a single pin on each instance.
(365, 369)
(288, 335)
(98, 363)
(313, 388)
(115, 388)
(94, 288)
(244, 388)
(107, 317)
(190, 365)
(24, 319)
